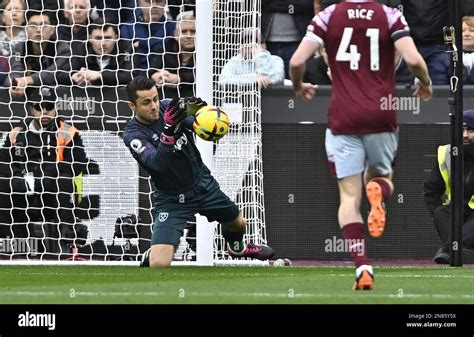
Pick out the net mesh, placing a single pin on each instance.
(238, 156)
(85, 52)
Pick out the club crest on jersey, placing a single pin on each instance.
(162, 216)
(137, 146)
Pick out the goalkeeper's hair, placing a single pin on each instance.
(137, 84)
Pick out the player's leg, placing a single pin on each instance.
(233, 233)
(163, 243)
(441, 220)
(14, 204)
(216, 206)
(233, 228)
(168, 228)
(350, 220)
(381, 149)
(58, 201)
(347, 156)
(350, 196)
(161, 255)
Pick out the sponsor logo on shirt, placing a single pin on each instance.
(180, 142)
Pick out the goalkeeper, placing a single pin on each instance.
(160, 138)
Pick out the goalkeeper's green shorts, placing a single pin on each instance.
(172, 212)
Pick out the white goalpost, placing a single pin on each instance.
(238, 156)
(116, 195)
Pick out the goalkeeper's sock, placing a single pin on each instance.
(235, 241)
(145, 261)
(386, 186)
(355, 233)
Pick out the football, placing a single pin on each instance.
(279, 263)
(282, 263)
(211, 123)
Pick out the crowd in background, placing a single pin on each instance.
(97, 43)
(106, 43)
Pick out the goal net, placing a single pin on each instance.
(108, 216)
(238, 156)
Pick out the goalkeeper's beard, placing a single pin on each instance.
(149, 117)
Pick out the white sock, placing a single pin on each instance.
(364, 267)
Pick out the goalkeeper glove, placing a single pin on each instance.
(174, 114)
(193, 104)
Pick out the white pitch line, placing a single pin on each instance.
(157, 274)
(72, 274)
(188, 295)
(381, 276)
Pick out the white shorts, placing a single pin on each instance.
(354, 154)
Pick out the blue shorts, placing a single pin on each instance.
(354, 154)
(172, 212)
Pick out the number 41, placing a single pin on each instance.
(353, 56)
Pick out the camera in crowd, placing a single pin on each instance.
(126, 227)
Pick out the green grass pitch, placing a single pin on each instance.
(264, 285)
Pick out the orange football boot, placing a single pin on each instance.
(376, 220)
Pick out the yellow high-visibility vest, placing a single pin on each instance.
(444, 164)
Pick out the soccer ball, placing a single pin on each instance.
(282, 263)
(279, 263)
(211, 123)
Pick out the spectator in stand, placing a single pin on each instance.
(438, 194)
(284, 24)
(426, 20)
(12, 21)
(468, 7)
(317, 70)
(104, 59)
(148, 32)
(323, 4)
(40, 60)
(253, 64)
(49, 6)
(37, 174)
(112, 10)
(468, 48)
(180, 8)
(76, 13)
(173, 69)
